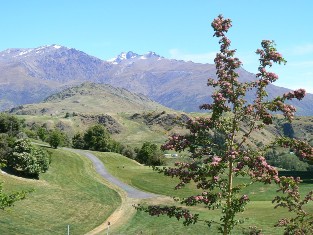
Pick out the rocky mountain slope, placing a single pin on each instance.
(30, 75)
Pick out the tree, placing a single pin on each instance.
(128, 151)
(114, 146)
(288, 130)
(213, 169)
(285, 160)
(4, 148)
(78, 141)
(55, 138)
(42, 133)
(150, 154)
(10, 124)
(27, 159)
(97, 138)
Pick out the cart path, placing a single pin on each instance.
(131, 192)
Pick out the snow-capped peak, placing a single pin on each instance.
(123, 56)
(151, 54)
(131, 55)
(25, 52)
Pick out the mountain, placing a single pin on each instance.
(90, 98)
(30, 75)
(126, 56)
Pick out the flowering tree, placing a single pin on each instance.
(218, 145)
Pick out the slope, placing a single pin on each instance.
(90, 98)
(70, 193)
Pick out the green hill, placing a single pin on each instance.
(90, 98)
(70, 193)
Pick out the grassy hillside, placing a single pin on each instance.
(128, 130)
(90, 98)
(70, 193)
(135, 128)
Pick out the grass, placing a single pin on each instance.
(143, 224)
(144, 178)
(70, 193)
(135, 132)
(259, 211)
(141, 177)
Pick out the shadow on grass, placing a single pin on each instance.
(11, 171)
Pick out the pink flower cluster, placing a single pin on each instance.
(275, 56)
(272, 77)
(176, 142)
(215, 161)
(199, 124)
(287, 109)
(212, 82)
(244, 198)
(207, 198)
(171, 211)
(298, 94)
(260, 170)
(219, 98)
(221, 25)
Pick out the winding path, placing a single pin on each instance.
(131, 192)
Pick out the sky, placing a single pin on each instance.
(175, 29)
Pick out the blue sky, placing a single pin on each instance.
(173, 29)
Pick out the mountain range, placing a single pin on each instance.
(31, 75)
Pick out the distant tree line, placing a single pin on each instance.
(97, 138)
(286, 159)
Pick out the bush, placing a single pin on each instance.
(55, 139)
(129, 152)
(27, 159)
(42, 133)
(78, 141)
(150, 154)
(10, 124)
(97, 138)
(5, 149)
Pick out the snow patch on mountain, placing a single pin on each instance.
(131, 56)
(16, 53)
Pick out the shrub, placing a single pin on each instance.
(27, 159)
(10, 124)
(129, 152)
(97, 138)
(55, 138)
(150, 154)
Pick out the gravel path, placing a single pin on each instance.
(131, 192)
